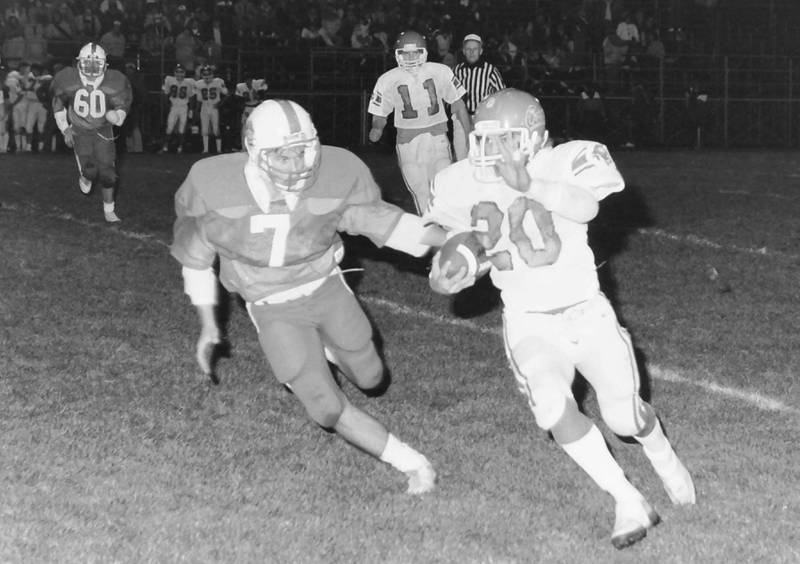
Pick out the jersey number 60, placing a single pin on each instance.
(88, 103)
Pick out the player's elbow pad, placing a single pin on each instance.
(200, 285)
(408, 234)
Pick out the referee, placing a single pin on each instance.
(479, 79)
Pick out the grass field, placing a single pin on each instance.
(114, 449)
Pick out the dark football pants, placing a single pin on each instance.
(96, 154)
(294, 333)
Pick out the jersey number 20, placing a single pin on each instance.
(527, 237)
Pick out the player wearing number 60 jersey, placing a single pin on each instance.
(272, 214)
(87, 102)
(530, 204)
(416, 92)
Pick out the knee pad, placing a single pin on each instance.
(107, 177)
(626, 416)
(90, 171)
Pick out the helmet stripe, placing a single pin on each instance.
(291, 116)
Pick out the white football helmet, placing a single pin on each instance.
(509, 113)
(410, 50)
(282, 141)
(92, 61)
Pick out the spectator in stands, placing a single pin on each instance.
(153, 42)
(107, 6)
(513, 65)
(17, 9)
(114, 43)
(111, 16)
(615, 52)
(187, 47)
(14, 42)
(309, 32)
(35, 44)
(60, 30)
(655, 49)
(628, 32)
(479, 78)
(442, 52)
(329, 30)
(88, 26)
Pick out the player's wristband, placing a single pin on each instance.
(61, 120)
(200, 285)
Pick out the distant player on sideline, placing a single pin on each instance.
(18, 82)
(415, 91)
(87, 102)
(38, 96)
(179, 89)
(530, 204)
(272, 215)
(209, 91)
(251, 92)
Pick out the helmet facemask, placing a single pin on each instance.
(92, 67)
(410, 57)
(484, 153)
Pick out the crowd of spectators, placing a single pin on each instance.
(525, 42)
(544, 47)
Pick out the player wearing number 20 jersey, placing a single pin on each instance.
(416, 91)
(530, 204)
(87, 102)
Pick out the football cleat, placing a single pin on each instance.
(632, 519)
(84, 184)
(111, 217)
(421, 480)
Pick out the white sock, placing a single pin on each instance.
(401, 456)
(205, 143)
(592, 455)
(657, 449)
(218, 141)
(108, 208)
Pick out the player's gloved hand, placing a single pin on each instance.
(206, 352)
(441, 283)
(113, 117)
(69, 137)
(512, 166)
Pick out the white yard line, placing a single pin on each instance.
(697, 241)
(754, 399)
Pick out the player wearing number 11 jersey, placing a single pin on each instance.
(416, 92)
(530, 205)
(87, 102)
(272, 214)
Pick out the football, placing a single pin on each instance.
(462, 250)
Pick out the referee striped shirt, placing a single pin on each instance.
(479, 80)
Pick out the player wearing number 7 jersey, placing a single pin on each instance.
(272, 214)
(530, 204)
(416, 91)
(87, 102)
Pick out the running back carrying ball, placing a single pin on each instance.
(462, 250)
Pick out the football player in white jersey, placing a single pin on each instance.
(252, 92)
(529, 203)
(209, 91)
(179, 89)
(415, 91)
